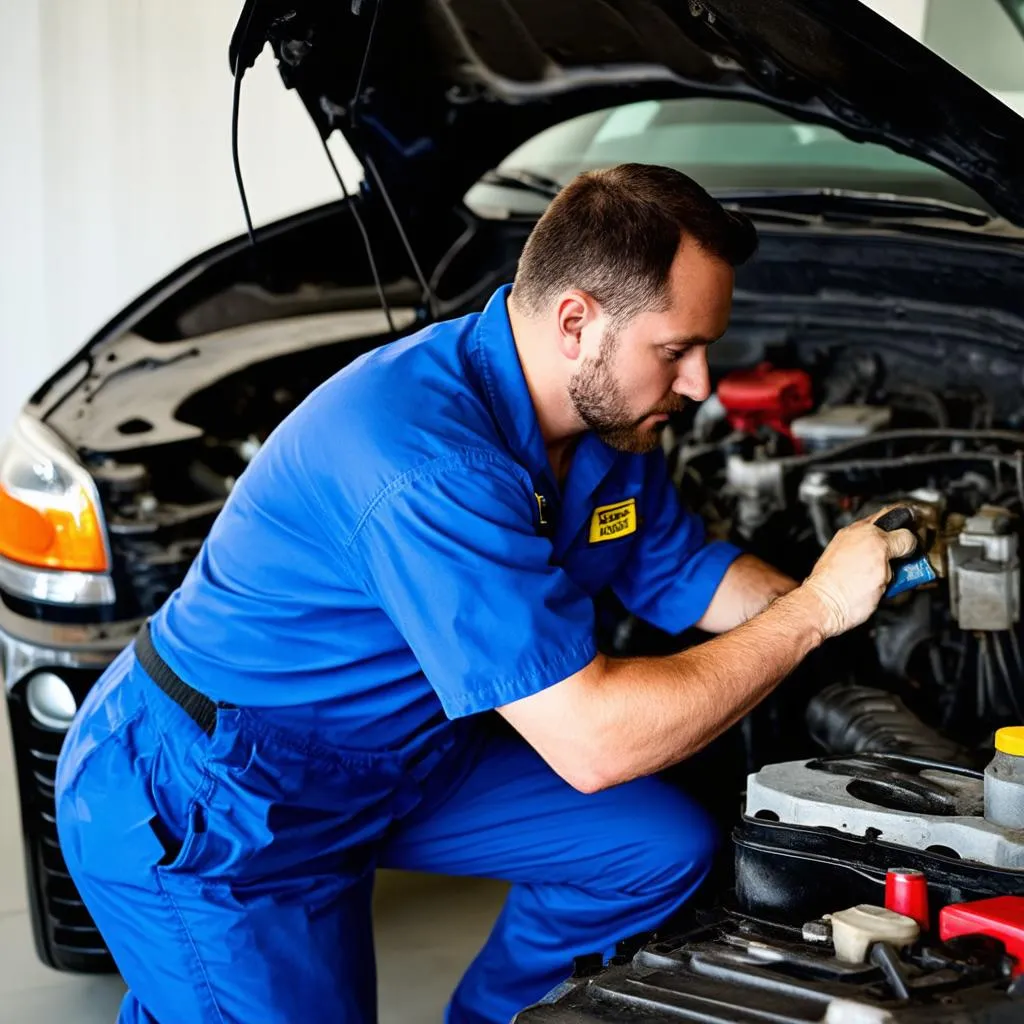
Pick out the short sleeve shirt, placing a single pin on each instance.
(399, 555)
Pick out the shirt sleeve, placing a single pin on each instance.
(672, 574)
(452, 556)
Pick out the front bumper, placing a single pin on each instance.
(65, 936)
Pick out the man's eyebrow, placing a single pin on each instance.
(696, 339)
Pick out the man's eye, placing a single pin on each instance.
(673, 355)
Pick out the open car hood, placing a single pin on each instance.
(450, 87)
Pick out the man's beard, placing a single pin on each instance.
(601, 403)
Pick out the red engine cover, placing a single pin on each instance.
(765, 396)
(1001, 917)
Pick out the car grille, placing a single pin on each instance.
(66, 937)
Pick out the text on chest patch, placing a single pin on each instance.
(611, 521)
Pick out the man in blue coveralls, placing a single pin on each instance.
(420, 542)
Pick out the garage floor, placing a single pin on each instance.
(428, 930)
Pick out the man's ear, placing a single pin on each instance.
(575, 310)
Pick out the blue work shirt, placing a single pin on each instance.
(399, 555)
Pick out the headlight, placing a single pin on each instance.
(50, 514)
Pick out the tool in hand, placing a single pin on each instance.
(910, 572)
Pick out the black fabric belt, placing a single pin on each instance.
(196, 705)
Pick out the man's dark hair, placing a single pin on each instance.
(614, 233)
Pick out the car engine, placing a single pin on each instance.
(769, 465)
(867, 765)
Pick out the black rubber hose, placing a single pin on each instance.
(913, 434)
(846, 719)
(885, 957)
(910, 461)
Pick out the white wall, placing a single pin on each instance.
(115, 162)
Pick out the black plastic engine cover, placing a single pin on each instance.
(734, 970)
(792, 873)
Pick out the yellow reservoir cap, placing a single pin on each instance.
(1010, 740)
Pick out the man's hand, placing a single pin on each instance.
(853, 572)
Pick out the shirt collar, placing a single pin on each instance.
(507, 393)
(509, 398)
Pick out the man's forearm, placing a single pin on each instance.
(648, 713)
(747, 588)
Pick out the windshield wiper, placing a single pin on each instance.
(857, 205)
(524, 180)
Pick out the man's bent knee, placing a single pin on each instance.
(671, 841)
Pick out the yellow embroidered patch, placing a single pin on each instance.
(611, 521)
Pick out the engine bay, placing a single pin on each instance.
(876, 870)
(781, 458)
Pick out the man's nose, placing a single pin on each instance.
(693, 379)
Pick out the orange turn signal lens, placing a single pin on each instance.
(52, 538)
(49, 508)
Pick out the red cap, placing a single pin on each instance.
(765, 396)
(906, 892)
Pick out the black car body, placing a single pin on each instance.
(896, 289)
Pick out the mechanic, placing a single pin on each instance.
(420, 542)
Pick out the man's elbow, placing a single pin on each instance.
(591, 767)
(589, 778)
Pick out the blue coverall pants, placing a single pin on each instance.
(231, 875)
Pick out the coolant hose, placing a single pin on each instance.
(847, 719)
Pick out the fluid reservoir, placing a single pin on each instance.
(765, 396)
(1004, 779)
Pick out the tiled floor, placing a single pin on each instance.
(428, 930)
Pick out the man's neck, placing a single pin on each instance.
(559, 424)
(560, 458)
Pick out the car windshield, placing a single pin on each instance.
(731, 144)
